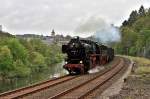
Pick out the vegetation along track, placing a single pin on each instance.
(34, 88)
(67, 86)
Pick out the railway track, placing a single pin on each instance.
(97, 93)
(76, 87)
(87, 87)
(34, 88)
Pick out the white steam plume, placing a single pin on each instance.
(102, 31)
(109, 33)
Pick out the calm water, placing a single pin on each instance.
(54, 71)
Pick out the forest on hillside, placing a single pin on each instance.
(135, 34)
(21, 58)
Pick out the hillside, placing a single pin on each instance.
(5, 34)
(135, 33)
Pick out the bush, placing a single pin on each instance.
(37, 61)
(6, 61)
(20, 69)
(18, 50)
(20, 58)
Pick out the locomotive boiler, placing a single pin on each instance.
(83, 55)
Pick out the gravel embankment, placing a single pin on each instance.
(136, 87)
(137, 84)
(116, 87)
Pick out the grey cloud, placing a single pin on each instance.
(40, 16)
(90, 25)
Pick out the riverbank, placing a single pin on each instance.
(53, 71)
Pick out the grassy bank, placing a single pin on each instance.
(142, 64)
(137, 85)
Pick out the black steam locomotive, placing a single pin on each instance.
(83, 55)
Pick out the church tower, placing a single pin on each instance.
(53, 33)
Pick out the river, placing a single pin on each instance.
(53, 71)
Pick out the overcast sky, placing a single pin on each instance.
(41, 16)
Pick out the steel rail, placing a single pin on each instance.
(74, 88)
(34, 88)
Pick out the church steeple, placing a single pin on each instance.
(53, 33)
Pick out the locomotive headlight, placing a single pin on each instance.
(66, 62)
(81, 62)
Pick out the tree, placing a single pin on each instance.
(148, 11)
(125, 23)
(129, 37)
(135, 34)
(133, 51)
(20, 69)
(39, 46)
(143, 23)
(142, 11)
(18, 50)
(37, 61)
(27, 44)
(6, 62)
(133, 17)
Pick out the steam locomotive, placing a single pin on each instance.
(83, 55)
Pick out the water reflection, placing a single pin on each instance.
(53, 71)
(57, 70)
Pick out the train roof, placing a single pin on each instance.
(88, 41)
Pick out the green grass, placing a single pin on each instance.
(139, 60)
(143, 64)
(143, 70)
